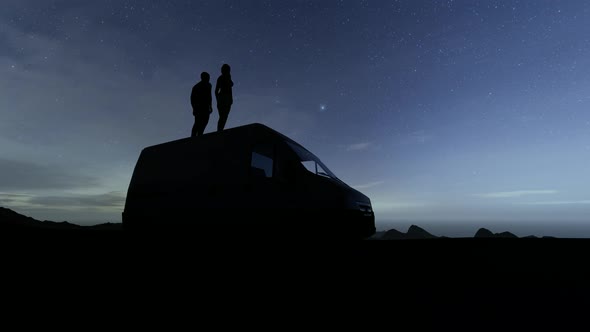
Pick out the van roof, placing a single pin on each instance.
(242, 132)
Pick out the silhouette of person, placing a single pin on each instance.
(223, 94)
(201, 103)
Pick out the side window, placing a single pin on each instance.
(262, 164)
(310, 165)
(315, 168)
(311, 162)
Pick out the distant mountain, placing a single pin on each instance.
(486, 233)
(393, 234)
(11, 220)
(415, 232)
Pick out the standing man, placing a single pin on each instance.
(223, 94)
(201, 103)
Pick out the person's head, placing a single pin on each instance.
(205, 77)
(225, 69)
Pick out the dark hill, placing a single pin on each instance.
(11, 220)
(486, 233)
(413, 233)
(393, 234)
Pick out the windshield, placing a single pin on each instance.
(311, 162)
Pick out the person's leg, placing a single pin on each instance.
(203, 124)
(198, 128)
(222, 119)
(195, 127)
(223, 114)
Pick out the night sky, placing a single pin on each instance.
(452, 115)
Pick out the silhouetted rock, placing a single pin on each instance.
(393, 234)
(506, 235)
(484, 233)
(415, 232)
(530, 237)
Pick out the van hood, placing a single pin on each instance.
(354, 196)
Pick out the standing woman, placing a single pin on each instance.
(223, 94)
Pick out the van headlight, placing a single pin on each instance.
(365, 208)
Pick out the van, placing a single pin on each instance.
(247, 180)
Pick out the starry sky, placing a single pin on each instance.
(452, 115)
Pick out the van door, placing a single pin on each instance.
(262, 172)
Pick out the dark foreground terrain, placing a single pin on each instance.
(431, 282)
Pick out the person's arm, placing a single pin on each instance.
(217, 88)
(210, 100)
(231, 97)
(193, 97)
